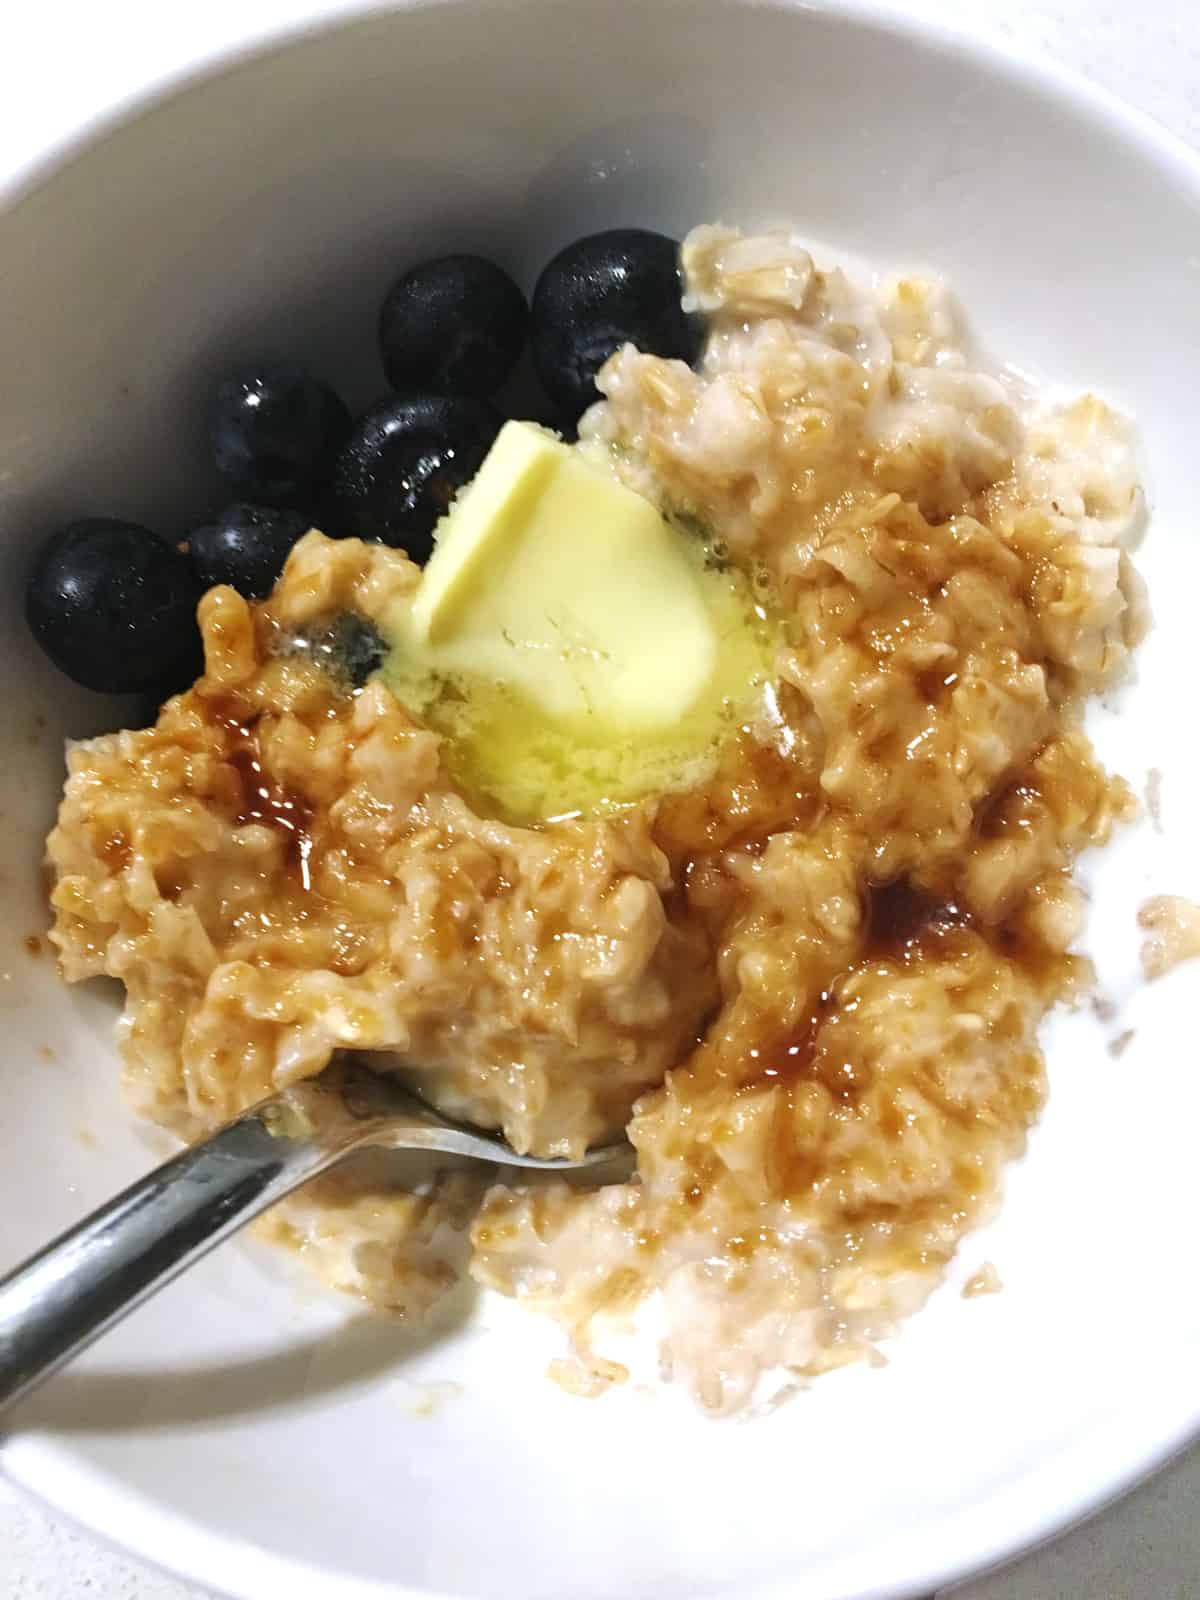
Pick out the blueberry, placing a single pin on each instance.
(357, 647)
(275, 432)
(456, 324)
(114, 607)
(246, 547)
(345, 645)
(601, 292)
(403, 465)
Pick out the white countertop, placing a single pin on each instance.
(1148, 1546)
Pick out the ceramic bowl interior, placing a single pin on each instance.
(266, 1439)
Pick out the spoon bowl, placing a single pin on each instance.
(64, 1297)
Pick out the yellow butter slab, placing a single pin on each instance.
(551, 577)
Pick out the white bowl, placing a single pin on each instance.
(262, 1437)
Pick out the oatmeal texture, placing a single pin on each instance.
(1172, 928)
(809, 986)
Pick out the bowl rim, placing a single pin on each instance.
(1121, 1452)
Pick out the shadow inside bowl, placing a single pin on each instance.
(369, 1346)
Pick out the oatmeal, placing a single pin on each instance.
(1172, 928)
(808, 983)
(985, 1281)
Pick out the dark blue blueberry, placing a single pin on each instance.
(114, 607)
(357, 647)
(404, 463)
(609, 289)
(275, 431)
(456, 324)
(345, 645)
(246, 547)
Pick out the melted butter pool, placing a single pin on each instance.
(517, 759)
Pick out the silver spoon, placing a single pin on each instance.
(60, 1300)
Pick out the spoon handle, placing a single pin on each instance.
(57, 1302)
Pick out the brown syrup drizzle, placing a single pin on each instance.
(260, 799)
(901, 921)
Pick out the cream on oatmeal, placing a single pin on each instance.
(809, 985)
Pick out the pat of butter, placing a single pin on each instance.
(552, 578)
